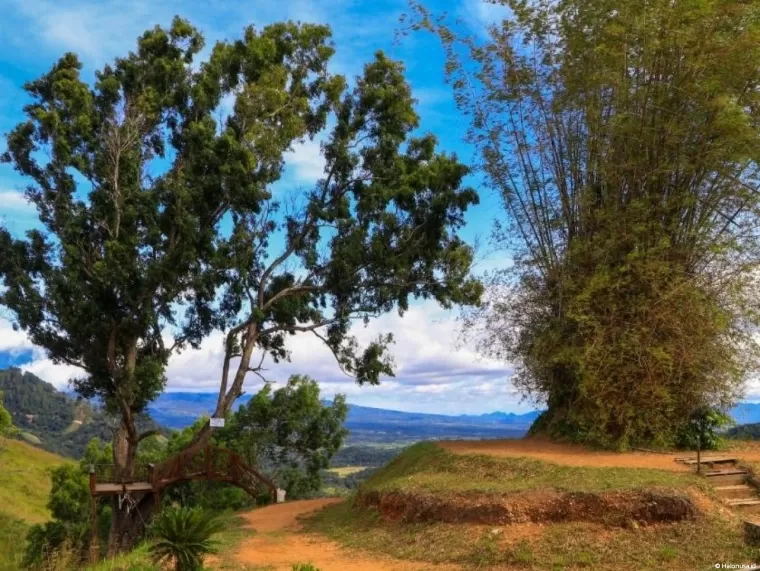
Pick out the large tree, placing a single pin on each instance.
(624, 139)
(158, 220)
(378, 229)
(132, 178)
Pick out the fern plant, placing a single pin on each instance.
(183, 535)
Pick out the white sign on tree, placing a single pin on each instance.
(216, 422)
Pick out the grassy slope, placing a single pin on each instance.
(347, 470)
(689, 545)
(427, 467)
(25, 481)
(24, 489)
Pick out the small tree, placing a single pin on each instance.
(289, 433)
(702, 430)
(183, 536)
(70, 503)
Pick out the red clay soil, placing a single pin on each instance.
(277, 542)
(569, 454)
(613, 508)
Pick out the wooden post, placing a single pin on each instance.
(207, 460)
(93, 481)
(93, 517)
(699, 454)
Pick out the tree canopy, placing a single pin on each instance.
(161, 221)
(289, 433)
(623, 139)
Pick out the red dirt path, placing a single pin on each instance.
(573, 455)
(278, 543)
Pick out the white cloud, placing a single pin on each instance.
(12, 341)
(95, 30)
(479, 15)
(306, 161)
(432, 372)
(14, 202)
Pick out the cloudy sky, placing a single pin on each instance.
(433, 371)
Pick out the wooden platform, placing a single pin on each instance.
(707, 460)
(102, 489)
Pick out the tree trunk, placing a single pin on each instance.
(127, 522)
(226, 397)
(128, 526)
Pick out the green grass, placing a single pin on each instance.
(347, 470)
(688, 545)
(25, 481)
(12, 545)
(30, 438)
(427, 467)
(136, 560)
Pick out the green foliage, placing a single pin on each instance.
(25, 481)
(744, 432)
(289, 433)
(304, 567)
(624, 144)
(704, 428)
(183, 535)
(110, 274)
(69, 505)
(6, 421)
(11, 548)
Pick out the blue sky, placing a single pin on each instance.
(434, 371)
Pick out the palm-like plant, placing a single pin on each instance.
(183, 535)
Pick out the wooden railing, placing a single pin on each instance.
(208, 463)
(106, 474)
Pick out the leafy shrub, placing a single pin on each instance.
(69, 530)
(703, 429)
(183, 535)
(304, 567)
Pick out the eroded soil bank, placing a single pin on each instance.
(618, 508)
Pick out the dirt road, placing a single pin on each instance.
(571, 455)
(277, 542)
(566, 453)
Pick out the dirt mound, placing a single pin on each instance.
(618, 508)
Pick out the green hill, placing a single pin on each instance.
(25, 481)
(24, 489)
(481, 512)
(51, 419)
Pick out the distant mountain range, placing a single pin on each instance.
(64, 424)
(177, 410)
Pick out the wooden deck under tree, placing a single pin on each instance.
(209, 463)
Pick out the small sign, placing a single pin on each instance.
(216, 423)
